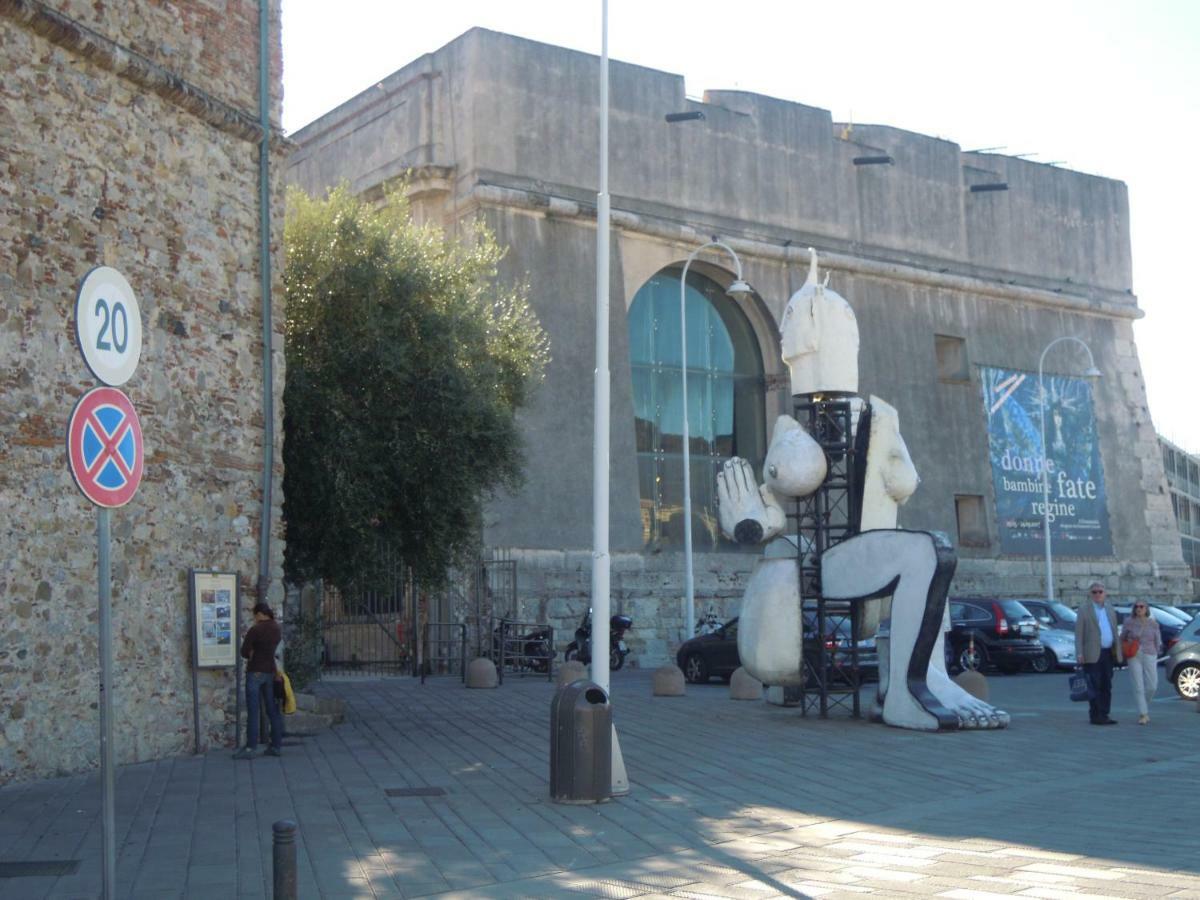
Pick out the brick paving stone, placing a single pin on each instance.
(824, 808)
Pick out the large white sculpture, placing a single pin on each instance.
(880, 561)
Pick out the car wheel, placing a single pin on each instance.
(973, 661)
(1187, 681)
(695, 669)
(1047, 662)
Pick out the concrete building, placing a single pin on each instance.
(1183, 480)
(131, 139)
(961, 267)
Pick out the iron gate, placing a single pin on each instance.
(378, 626)
(367, 629)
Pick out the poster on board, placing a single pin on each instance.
(1078, 504)
(213, 602)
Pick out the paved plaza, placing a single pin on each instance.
(728, 799)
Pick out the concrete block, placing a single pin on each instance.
(744, 686)
(668, 682)
(571, 670)
(481, 673)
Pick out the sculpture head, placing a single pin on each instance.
(820, 339)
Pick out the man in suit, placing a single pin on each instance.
(1098, 648)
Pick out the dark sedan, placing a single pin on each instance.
(716, 654)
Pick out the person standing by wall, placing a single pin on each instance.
(1097, 650)
(1143, 664)
(258, 648)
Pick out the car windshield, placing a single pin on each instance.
(1063, 612)
(1175, 611)
(1164, 617)
(1014, 609)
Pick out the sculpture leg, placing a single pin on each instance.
(915, 567)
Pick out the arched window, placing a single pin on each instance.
(726, 406)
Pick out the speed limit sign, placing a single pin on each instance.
(108, 325)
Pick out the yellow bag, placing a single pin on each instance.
(289, 698)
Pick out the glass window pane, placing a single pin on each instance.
(726, 403)
(668, 397)
(648, 488)
(645, 417)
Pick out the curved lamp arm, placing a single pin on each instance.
(1092, 372)
(739, 287)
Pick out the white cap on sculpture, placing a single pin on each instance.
(820, 338)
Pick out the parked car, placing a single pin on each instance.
(1053, 615)
(1058, 650)
(1177, 611)
(1168, 623)
(716, 654)
(1191, 609)
(1056, 631)
(712, 654)
(1182, 665)
(1005, 635)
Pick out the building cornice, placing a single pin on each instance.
(491, 195)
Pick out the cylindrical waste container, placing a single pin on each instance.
(580, 744)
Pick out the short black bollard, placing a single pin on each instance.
(285, 860)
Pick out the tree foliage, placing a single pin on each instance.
(406, 365)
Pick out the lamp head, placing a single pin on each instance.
(739, 290)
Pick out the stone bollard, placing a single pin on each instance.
(284, 852)
(668, 682)
(571, 670)
(481, 673)
(974, 683)
(744, 686)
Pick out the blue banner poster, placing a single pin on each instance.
(1078, 504)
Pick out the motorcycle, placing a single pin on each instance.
(531, 651)
(581, 647)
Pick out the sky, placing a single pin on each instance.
(1104, 87)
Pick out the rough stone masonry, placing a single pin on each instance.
(130, 139)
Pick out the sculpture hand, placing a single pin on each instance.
(747, 513)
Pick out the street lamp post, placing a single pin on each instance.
(737, 290)
(1092, 372)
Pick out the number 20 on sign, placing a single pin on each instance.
(108, 325)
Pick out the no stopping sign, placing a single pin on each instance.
(104, 447)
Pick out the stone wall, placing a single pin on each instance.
(130, 140)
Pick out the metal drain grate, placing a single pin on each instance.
(416, 792)
(39, 868)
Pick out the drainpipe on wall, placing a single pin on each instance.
(264, 268)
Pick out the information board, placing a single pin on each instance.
(213, 601)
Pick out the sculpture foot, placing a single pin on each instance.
(917, 709)
(972, 712)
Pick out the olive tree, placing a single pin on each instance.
(407, 361)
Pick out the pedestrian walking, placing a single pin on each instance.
(1097, 650)
(258, 648)
(1141, 644)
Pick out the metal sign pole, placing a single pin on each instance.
(109, 831)
(193, 627)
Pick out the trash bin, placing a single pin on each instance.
(580, 744)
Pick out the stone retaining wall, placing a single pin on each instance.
(98, 166)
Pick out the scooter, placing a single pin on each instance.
(581, 647)
(531, 651)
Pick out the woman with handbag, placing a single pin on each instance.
(1141, 642)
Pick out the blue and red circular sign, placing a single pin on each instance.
(104, 447)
